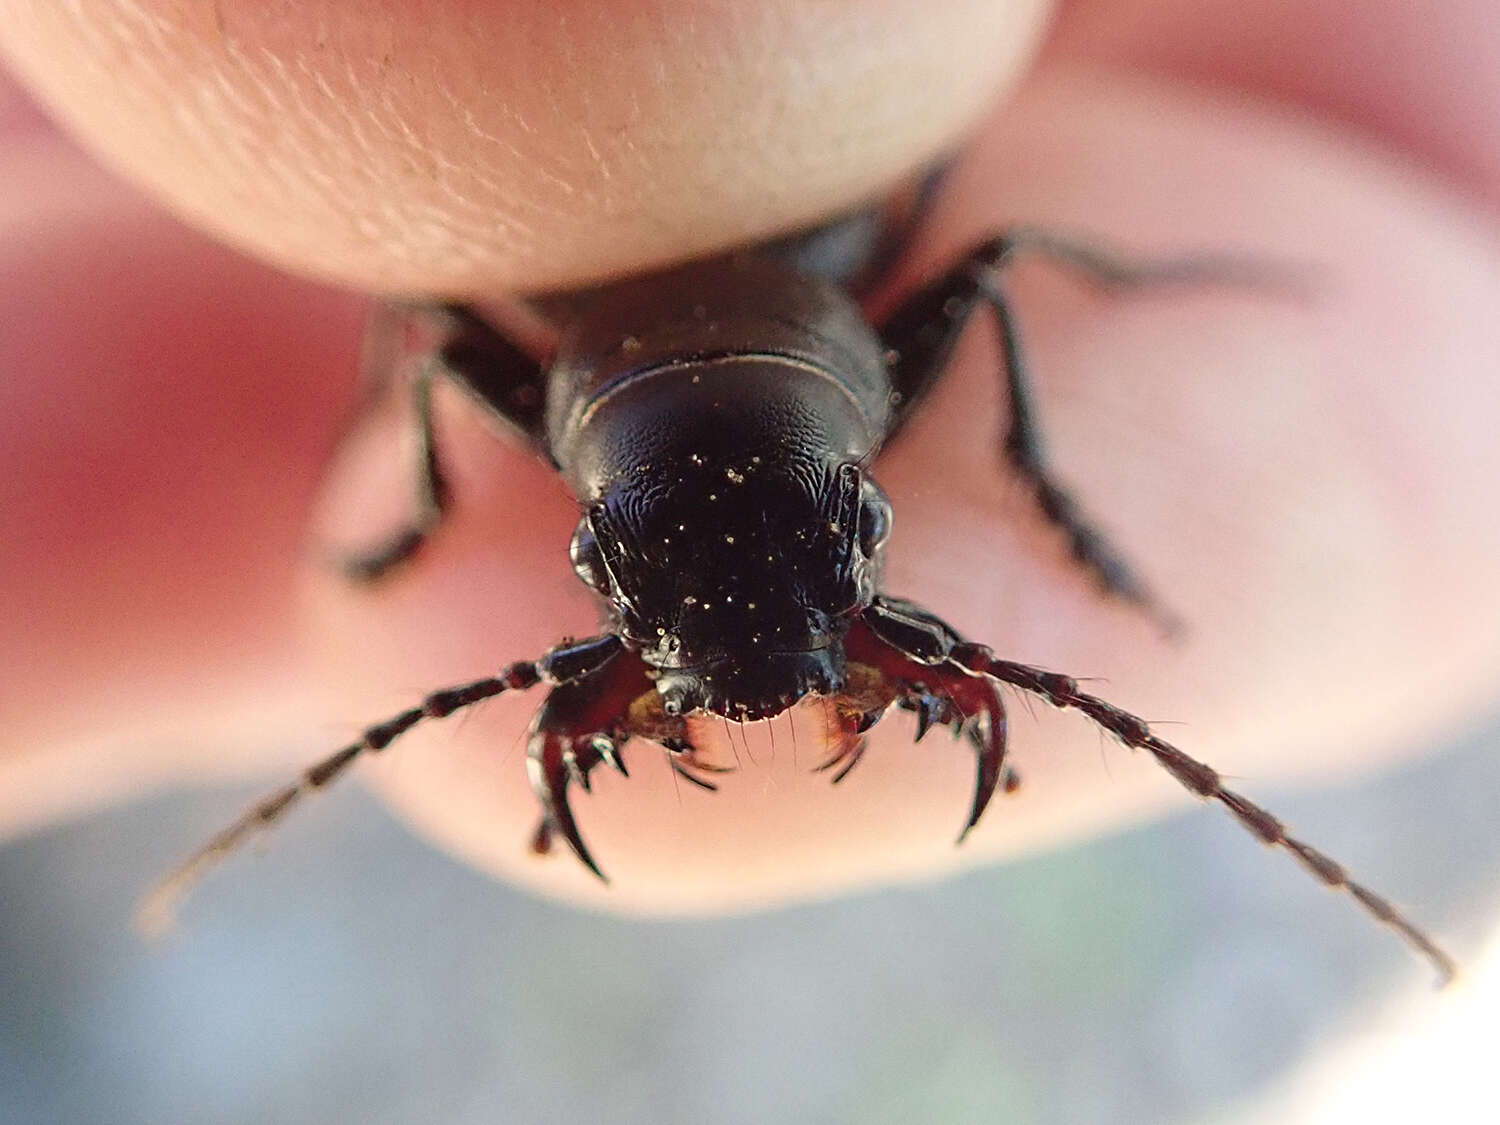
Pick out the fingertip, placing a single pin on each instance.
(444, 148)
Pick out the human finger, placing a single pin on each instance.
(454, 148)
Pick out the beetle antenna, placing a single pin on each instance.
(156, 913)
(1062, 692)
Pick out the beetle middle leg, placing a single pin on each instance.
(482, 362)
(923, 331)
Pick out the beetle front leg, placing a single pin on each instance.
(883, 671)
(585, 723)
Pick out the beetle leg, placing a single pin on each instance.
(504, 377)
(582, 724)
(974, 709)
(432, 495)
(939, 693)
(555, 735)
(484, 364)
(894, 635)
(585, 722)
(971, 704)
(922, 333)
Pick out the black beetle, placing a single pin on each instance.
(717, 421)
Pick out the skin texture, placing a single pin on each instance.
(1305, 476)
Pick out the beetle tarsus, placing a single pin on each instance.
(549, 781)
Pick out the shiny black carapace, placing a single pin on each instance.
(717, 422)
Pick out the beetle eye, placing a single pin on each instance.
(874, 519)
(588, 561)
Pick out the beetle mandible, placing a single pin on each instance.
(716, 422)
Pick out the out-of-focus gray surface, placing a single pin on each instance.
(354, 975)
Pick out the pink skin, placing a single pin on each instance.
(1310, 483)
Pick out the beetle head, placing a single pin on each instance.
(739, 578)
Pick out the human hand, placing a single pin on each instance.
(1306, 484)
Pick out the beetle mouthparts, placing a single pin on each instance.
(756, 687)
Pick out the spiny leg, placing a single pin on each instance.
(567, 742)
(973, 707)
(579, 757)
(881, 672)
(431, 494)
(922, 333)
(585, 723)
(156, 911)
(482, 362)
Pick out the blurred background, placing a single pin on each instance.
(1176, 973)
